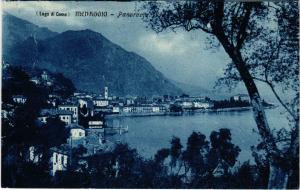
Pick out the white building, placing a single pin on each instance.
(155, 109)
(201, 104)
(73, 109)
(144, 109)
(76, 131)
(96, 124)
(49, 83)
(116, 109)
(59, 159)
(241, 97)
(186, 104)
(20, 99)
(35, 80)
(82, 102)
(64, 115)
(34, 156)
(4, 113)
(7, 110)
(128, 109)
(52, 101)
(45, 76)
(100, 102)
(129, 101)
(106, 92)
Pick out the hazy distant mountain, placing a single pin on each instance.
(91, 61)
(191, 90)
(16, 30)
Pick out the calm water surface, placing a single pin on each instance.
(149, 134)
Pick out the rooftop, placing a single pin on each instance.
(18, 96)
(54, 112)
(67, 105)
(62, 149)
(75, 126)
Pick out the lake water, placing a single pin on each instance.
(149, 134)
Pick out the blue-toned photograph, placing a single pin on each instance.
(150, 94)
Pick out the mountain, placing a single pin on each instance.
(191, 90)
(91, 61)
(16, 30)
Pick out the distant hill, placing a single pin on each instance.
(16, 30)
(194, 90)
(191, 90)
(90, 60)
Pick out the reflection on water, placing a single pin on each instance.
(148, 134)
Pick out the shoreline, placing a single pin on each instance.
(188, 112)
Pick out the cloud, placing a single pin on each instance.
(169, 43)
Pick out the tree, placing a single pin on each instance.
(176, 108)
(175, 151)
(235, 25)
(53, 133)
(222, 150)
(63, 86)
(195, 154)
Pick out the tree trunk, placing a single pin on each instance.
(278, 178)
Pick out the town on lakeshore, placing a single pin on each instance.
(84, 114)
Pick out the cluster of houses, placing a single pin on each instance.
(90, 106)
(92, 136)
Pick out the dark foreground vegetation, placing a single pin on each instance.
(202, 164)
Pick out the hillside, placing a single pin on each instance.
(91, 61)
(16, 30)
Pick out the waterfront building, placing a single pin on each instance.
(95, 124)
(100, 102)
(241, 97)
(129, 101)
(116, 109)
(202, 104)
(184, 103)
(144, 109)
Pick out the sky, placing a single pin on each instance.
(181, 56)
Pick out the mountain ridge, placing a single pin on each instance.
(16, 30)
(92, 61)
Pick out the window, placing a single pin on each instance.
(80, 134)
